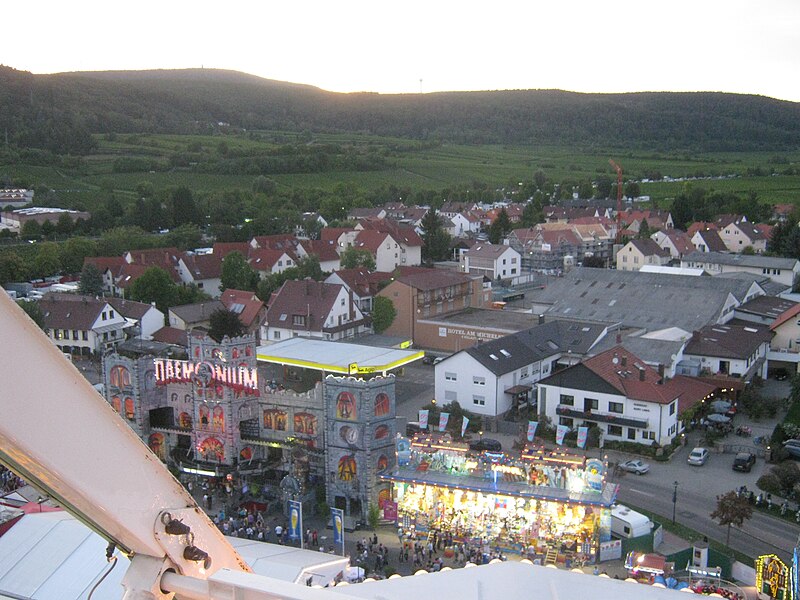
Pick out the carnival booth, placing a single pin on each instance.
(551, 506)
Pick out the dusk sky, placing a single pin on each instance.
(388, 47)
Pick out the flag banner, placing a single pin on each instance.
(583, 433)
(443, 418)
(295, 519)
(423, 420)
(532, 425)
(464, 424)
(561, 431)
(337, 514)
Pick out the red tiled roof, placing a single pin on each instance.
(635, 379)
(713, 242)
(203, 266)
(128, 273)
(311, 299)
(264, 259)
(700, 226)
(403, 235)
(649, 248)
(324, 250)
(785, 316)
(172, 335)
(682, 242)
(129, 308)
(363, 282)
(155, 257)
(224, 248)
(245, 304)
(370, 239)
(430, 279)
(105, 262)
(70, 311)
(332, 234)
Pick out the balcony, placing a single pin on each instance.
(592, 415)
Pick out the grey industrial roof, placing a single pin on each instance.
(767, 306)
(653, 352)
(647, 300)
(542, 341)
(770, 287)
(744, 260)
(502, 320)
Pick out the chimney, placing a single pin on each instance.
(541, 319)
(619, 338)
(641, 373)
(660, 373)
(624, 361)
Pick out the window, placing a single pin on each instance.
(616, 407)
(450, 376)
(85, 336)
(648, 435)
(631, 433)
(672, 406)
(615, 430)
(523, 372)
(590, 404)
(276, 335)
(513, 260)
(280, 263)
(450, 395)
(298, 320)
(567, 422)
(111, 314)
(479, 400)
(567, 400)
(74, 334)
(342, 302)
(478, 380)
(104, 315)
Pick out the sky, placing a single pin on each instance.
(388, 46)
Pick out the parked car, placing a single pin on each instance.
(781, 374)
(486, 444)
(698, 457)
(428, 359)
(438, 359)
(635, 466)
(744, 462)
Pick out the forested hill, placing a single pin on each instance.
(58, 112)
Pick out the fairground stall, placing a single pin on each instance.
(548, 505)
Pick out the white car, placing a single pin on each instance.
(635, 466)
(698, 457)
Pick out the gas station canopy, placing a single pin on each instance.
(336, 357)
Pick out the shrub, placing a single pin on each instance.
(769, 483)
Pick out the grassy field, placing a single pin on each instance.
(409, 164)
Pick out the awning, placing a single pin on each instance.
(519, 389)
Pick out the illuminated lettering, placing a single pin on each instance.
(169, 371)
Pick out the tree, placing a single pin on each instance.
(539, 178)
(731, 510)
(74, 252)
(12, 267)
(34, 311)
(184, 237)
(184, 209)
(47, 261)
(500, 227)
(532, 214)
(435, 240)
(91, 282)
(594, 261)
(383, 313)
(264, 185)
(154, 285)
(237, 274)
(354, 258)
(644, 230)
(603, 187)
(30, 230)
(681, 211)
(225, 323)
(64, 225)
(632, 189)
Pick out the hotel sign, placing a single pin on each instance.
(205, 374)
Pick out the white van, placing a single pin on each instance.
(627, 523)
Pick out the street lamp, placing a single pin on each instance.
(674, 499)
(480, 433)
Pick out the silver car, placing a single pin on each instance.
(698, 457)
(635, 466)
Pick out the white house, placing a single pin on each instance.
(738, 350)
(82, 324)
(494, 261)
(313, 309)
(622, 396)
(145, 317)
(638, 253)
(491, 377)
(202, 270)
(464, 224)
(780, 270)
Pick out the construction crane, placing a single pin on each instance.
(618, 169)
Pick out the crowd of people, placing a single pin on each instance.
(10, 481)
